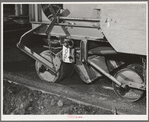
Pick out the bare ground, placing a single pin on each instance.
(20, 100)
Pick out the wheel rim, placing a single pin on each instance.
(45, 74)
(130, 94)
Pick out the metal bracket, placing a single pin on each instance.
(84, 50)
(31, 53)
(129, 83)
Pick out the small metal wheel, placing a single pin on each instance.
(44, 73)
(132, 73)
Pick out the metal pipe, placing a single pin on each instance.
(31, 53)
(79, 19)
(69, 25)
(65, 24)
(123, 84)
(84, 50)
(104, 72)
(76, 37)
(36, 57)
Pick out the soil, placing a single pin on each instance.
(21, 100)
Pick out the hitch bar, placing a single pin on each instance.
(130, 84)
(33, 54)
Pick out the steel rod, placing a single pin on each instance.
(129, 83)
(31, 53)
(76, 37)
(36, 57)
(81, 26)
(65, 24)
(80, 19)
(104, 72)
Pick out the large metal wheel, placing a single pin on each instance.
(133, 73)
(63, 70)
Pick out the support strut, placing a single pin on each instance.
(129, 83)
(31, 53)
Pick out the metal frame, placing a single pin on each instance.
(32, 53)
(84, 50)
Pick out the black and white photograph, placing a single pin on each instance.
(74, 61)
